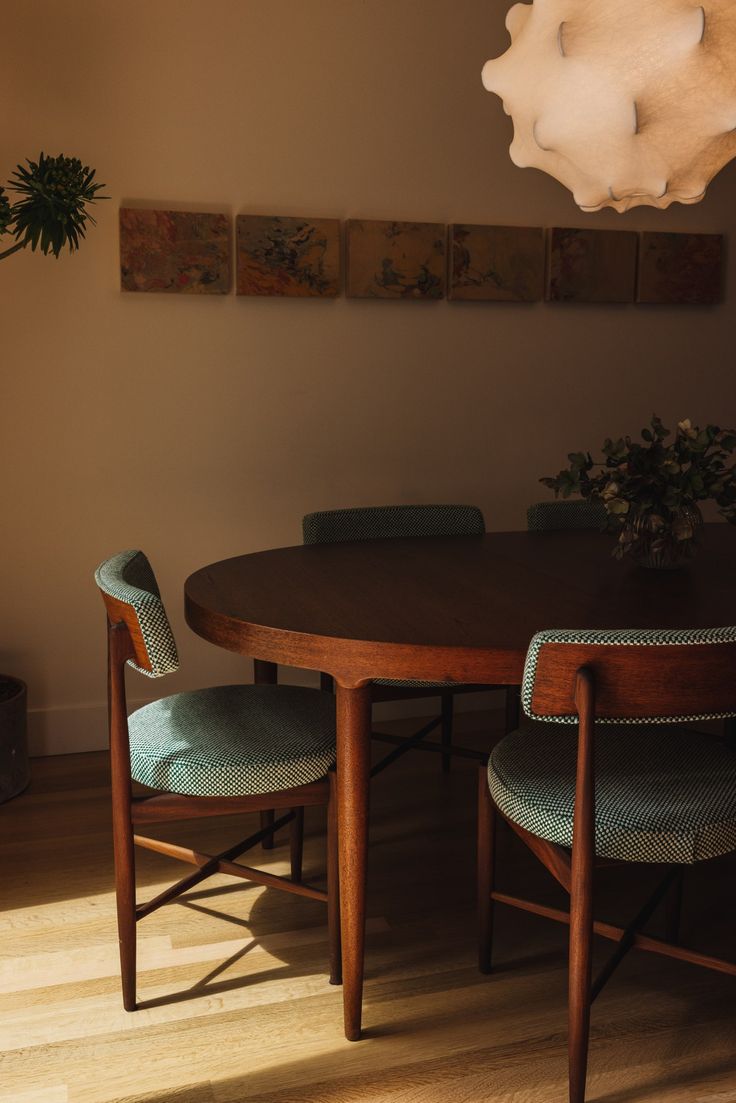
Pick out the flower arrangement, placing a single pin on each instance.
(53, 211)
(650, 490)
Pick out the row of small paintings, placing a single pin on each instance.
(181, 251)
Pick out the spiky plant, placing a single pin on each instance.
(53, 211)
(6, 215)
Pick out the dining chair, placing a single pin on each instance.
(217, 751)
(393, 522)
(566, 513)
(602, 771)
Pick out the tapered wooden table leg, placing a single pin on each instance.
(353, 778)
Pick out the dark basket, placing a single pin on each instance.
(14, 772)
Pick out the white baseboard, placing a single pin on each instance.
(67, 730)
(76, 728)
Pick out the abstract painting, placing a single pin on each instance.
(592, 266)
(177, 251)
(680, 268)
(395, 260)
(288, 256)
(496, 263)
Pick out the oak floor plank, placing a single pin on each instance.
(191, 1093)
(58, 1093)
(233, 979)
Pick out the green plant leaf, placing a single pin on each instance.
(55, 193)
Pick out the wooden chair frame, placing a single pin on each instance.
(128, 812)
(654, 691)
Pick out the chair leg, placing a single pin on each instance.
(333, 886)
(512, 704)
(267, 820)
(581, 947)
(124, 854)
(296, 844)
(673, 908)
(447, 717)
(486, 870)
(266, 674)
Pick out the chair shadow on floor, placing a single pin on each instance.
(295, 960)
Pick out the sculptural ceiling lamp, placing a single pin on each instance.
(626, 102)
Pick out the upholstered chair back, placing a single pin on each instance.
(566, 513)
(641, 676)
(382, 522)
(131, 594)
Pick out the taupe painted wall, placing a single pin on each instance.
(202, 428)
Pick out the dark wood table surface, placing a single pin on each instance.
(454, 608)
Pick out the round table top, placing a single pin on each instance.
(447, 608)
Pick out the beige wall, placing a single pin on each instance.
(202, 428)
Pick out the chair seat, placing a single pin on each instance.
(237, 740)
(662, 793)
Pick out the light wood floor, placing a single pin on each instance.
(236, 1002)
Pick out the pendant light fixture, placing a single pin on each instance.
(626, 102)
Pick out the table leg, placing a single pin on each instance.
(353, 780)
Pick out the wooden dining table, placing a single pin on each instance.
(454, 609)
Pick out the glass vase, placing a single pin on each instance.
(660, 543)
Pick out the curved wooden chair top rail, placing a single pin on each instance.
(640, 676)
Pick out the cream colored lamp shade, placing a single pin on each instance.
(626, 102)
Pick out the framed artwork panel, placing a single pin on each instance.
(496, 263)
(395, 260)
(591, 266)
(680, 268)
(180, 252)
(298, 257)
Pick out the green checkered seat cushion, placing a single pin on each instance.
(386, 522)
(231, 741)
(566, 513)
(662, 793)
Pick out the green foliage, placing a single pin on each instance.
(6, 214)
(52, 211)
(659, 479)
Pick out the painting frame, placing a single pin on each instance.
(680, 269)
(491, 263)
(591, 266)
(396, 260)
(287, 256)
(175, 252)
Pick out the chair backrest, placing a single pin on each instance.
(566, 513)
(131, 594)
(382, 522)
(641, 676)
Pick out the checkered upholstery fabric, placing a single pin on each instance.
(129, 577)
(662, 793)
(385, 522)
(408, 683)
(233, 740)
(620, 637)
(566, 513)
